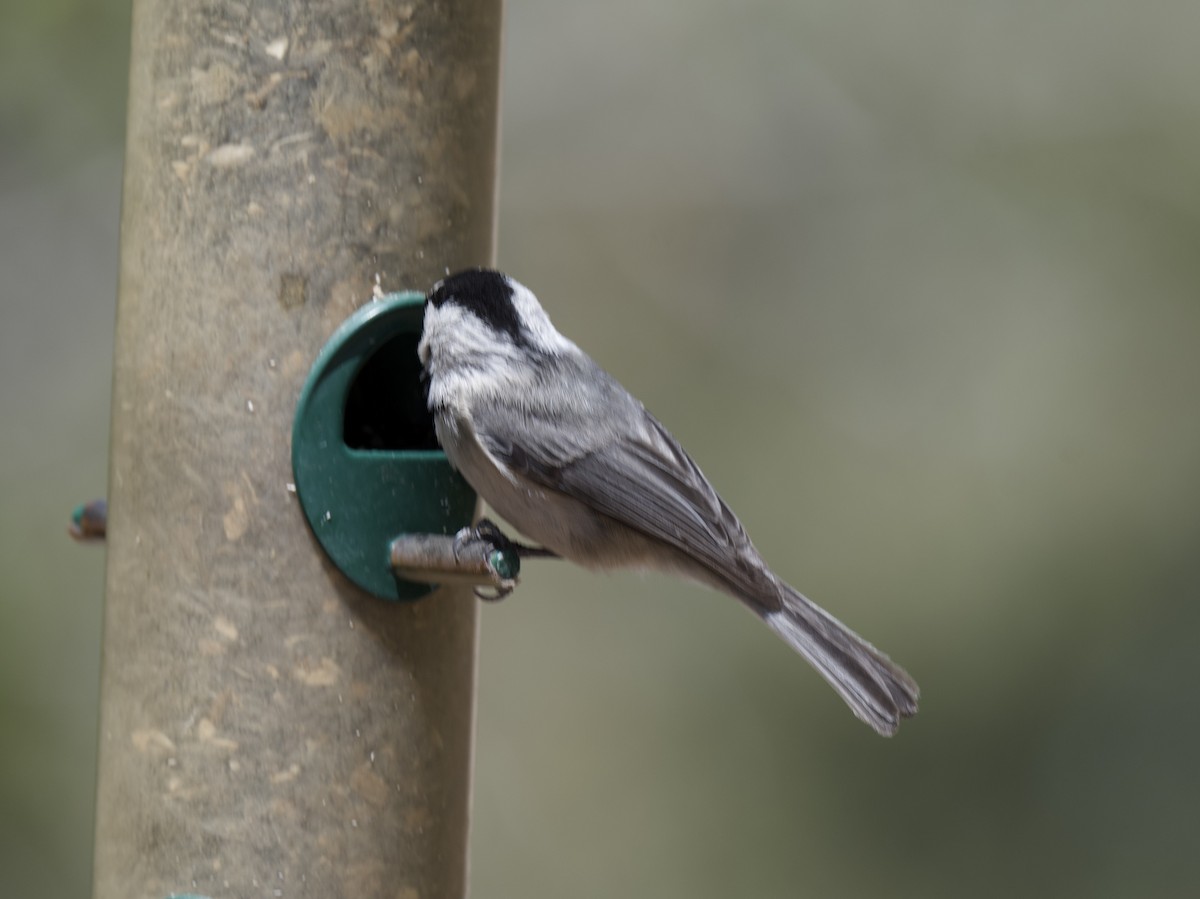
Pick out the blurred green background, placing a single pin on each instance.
(918, 286)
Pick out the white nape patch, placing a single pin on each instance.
(536, 322)
(466, 358)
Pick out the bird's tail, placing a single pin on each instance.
(877, 690)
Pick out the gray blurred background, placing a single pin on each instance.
(916, 283)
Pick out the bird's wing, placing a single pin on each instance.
(612, 455)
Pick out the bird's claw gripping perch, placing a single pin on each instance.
(481, 556)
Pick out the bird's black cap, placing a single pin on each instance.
(485, 293)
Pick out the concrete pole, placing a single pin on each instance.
(266, 728)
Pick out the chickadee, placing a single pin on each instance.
(563, 452)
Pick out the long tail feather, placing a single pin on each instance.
(878, 691)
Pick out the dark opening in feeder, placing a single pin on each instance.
(386, 407)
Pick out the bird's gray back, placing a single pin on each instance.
(580, 434)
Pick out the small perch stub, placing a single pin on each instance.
(481, 556)
(89, 521)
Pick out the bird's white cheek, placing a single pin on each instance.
(425, 347)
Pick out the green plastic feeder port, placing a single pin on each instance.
(366, 460)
